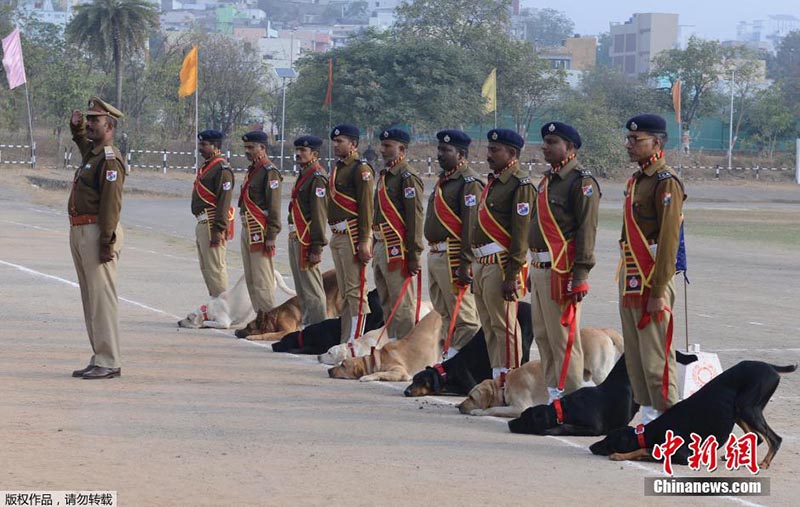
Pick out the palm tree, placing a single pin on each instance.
(115, 29)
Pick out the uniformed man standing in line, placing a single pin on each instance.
(452, 212)
(350, 216)
(260, 209)
(652, 218)
(398, 233)
(308, 214)
(500, 246)
(562, 236)
(95, 235)
(211, 202)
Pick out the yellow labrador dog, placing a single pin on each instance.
(525, 386)
(399, 359)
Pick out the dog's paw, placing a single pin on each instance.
(479, 412)
(369, 378)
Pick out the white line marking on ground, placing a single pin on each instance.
(756, 323)
(704, 315)
(31, 226)
(629, 464)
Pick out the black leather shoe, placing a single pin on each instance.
(79, 373)
(102, 372)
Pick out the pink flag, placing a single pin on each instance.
(12, 60)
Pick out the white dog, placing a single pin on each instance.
(231, 309)
(363, 345)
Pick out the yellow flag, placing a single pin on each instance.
(489, 92)
(189, 74)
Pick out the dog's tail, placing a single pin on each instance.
(784, 369)
(281, 283)
(616, 338)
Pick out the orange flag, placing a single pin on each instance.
(676, 100)
(189, 74)
(329, 94)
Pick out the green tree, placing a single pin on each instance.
(604, 42)
(770, 120)
(546, 27)
(787, 69)
(114, 30)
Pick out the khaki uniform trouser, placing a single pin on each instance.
(389, 285)
(260, 277)
(644, 355)
(492, 309)
(444, 302)
(212, 261)
(348, 278)
(551, 336)
(98, 282)
(308, 284)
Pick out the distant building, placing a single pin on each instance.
(45, 11)
(636, 42)
(577, 53)
(767, 33)
(382, 13)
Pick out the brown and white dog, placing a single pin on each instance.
(525, 387)
(231, 309)
(398, 359)
(288, 317)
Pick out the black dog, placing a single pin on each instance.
(736, 396)
(319, 337)
(589, 411)
(471, 365)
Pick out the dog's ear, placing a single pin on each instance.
(433, 379)
(601, 448)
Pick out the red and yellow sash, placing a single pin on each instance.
(299, 220)
(344, 201)
(639, 260)
(489, 223)
(394, 229)
(562, 251)
(256, 222)
(448, 218)
(210, 198)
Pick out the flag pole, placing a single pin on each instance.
(197, 115)
(30, 127)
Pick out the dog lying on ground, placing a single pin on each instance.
(459, 374)
(230, 309)
(525, 386)
(397, 358)
(736, 396)
(288, 317)
(318, 338)
(364, 344)
(589, 411)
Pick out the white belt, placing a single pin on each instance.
(487, 250)
(439, 247)
(378, 235)
(202, 217)
(339, 226)
(292, 228)
(540, 257)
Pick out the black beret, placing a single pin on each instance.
(457, 138)
(312, 142)
(507, 137)
(398, 135)
(346, 130)
(564, 131)
(255, 136)
(652, 123)
(210, 135)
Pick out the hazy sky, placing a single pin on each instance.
(712, 19)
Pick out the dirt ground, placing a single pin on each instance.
(200, 418)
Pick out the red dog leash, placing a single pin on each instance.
(461, 292)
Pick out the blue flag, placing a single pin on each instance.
(680, 259)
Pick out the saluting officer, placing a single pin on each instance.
(451, 215)
(398, 233)
(652, 218)
(211, 205)
(260, 209)
(500, 246)
(308, 214)
(350, 216)
(562, 237)
(95, 235)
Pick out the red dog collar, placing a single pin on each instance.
(440, 370)
(640, 436)
(559, 410)
(204, 312)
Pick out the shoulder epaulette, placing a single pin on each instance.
(525, 181)
(664, 175)
(405, 175)
(585, 173)
(468, 179)
(109, 150)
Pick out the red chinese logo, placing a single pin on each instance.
(739, 452)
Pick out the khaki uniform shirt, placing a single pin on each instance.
(264, 188)
(510, 199)
(461, 191)
(658, 211)
(312, 196)
(219, 179)
(574, 201)
(97, 187)
(404, 188)
(354, 178)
